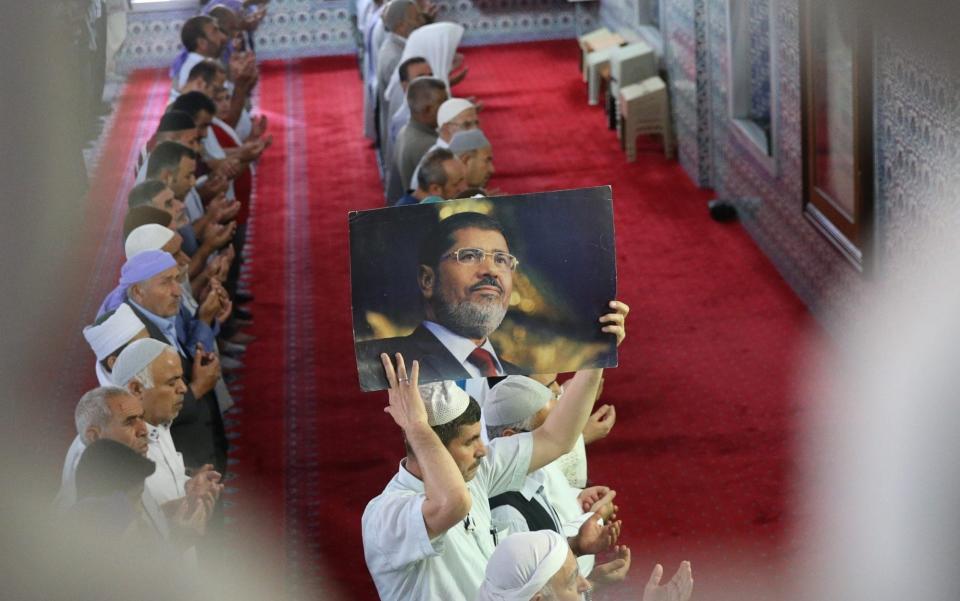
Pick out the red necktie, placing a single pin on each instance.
(483, 360)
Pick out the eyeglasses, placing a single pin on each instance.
(475, 256)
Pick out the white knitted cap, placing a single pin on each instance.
(135, 358)
(151, 236)
(444, 402)
(450, 109)
(514, 399)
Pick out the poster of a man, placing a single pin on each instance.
(500, 286)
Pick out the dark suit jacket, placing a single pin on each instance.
(436, 362)
(197, 431)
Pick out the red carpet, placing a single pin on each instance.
(701, 454)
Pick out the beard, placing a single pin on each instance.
(471, 319)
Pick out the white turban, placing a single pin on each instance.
(514, 399)
(109, 335)
(151, 236)
(450, 109)
(444, 402)
(522, 565)
(113, 332)
(135, 358)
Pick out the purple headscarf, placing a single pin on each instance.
(138, 268)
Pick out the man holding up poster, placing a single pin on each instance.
(465, 278)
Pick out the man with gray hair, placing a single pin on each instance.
(475, 152)
(424, 96)
(454, 115)
(539, 566)
(440, 176)
(152, 372)
(105, 412)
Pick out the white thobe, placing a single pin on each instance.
(169, 480)
(406, 564)
(548, 487)
(67, 496)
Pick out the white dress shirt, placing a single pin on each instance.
(461, 348)
(406, 564)
(169, 480)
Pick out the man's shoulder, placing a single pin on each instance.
(436, 362)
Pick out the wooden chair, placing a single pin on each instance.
(645, 109)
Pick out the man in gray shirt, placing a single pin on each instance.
(424, 96)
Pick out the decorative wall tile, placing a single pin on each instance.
(295, 28)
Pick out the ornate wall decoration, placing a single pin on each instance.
(295, 28)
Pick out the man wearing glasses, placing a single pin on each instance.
(465, 276)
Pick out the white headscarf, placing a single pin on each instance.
(437, 43)
(522, 564)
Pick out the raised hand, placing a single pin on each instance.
(404, 402)
(598, 499)
(679, 588)
(617, 321)
(613, 571)
(206, 372)
(592, 538)
(599, 424)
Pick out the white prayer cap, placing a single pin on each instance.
(135, 358)
(113, 332)
(522, 565)
(444, 402)
(151, 236)
(466, 141)
(514, 399)
(450, 109)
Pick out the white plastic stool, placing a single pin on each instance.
(629, 64)
(585, 40)
(645, 109)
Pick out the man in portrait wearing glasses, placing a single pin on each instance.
(465, 276)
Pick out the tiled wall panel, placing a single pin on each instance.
(296, 28)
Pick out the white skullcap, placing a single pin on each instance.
(514, 399)
(450, 109)
(466, 141)
(522, 565)
(444, 402)
(135, 358)
(113, 332)
(151, 236)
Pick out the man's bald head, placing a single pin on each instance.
(424, 97)
(402, 17)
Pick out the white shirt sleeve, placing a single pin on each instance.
(395, 534)
(508, 461)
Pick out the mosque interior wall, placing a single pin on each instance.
(916, 138)
(298, 28)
